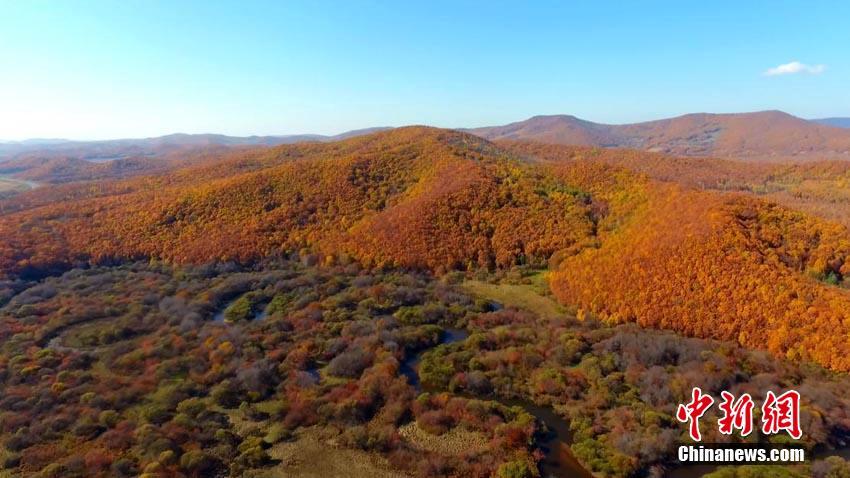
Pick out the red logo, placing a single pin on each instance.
(692, 411)
(779, 413)
(782, 413)
(736, 414)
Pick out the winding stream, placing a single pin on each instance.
(559, 461)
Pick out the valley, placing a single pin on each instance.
(327, 365)
(10, 186)
(424, 239)
(422, 302)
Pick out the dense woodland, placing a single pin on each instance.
(198, 321)
(619, 386)
(412, 197)
(818, 187)
(123, 370)
(147, 369)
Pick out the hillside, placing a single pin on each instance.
(413, 197)
(106, 150)
(250, 310)
(59, 169)
(761, 135)
(722, 266)
(442, 200)
(820, 188)
(712, 248)
(61, 161)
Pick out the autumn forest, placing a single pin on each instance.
(415, 302)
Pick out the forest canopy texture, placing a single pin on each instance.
(204, 318)
(623, 245)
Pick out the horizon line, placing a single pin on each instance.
(327, 135)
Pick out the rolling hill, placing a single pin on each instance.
(761, 135)
(121, 148)
(415, 197)
(623, 245)
(819, 188)
(60, 161)
(837, 122)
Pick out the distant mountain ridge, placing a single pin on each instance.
(837, 122)
(765, 134)
(758, 135)
(103, 150)
(60, 161)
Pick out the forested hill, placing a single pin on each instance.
(415, 197)
(758, 135)
(61, 161)
(623, 245)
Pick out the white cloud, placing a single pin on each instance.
(795, 67)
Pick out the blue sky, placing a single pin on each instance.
(97, 69)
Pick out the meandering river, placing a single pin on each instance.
(559, 461)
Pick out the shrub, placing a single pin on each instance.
(435, 422)
(277, 433)
(197, 462)
(53, 470)
(225, 394)
(241, 309)
(123, 467)
(516, 469)
(351, 363)
(108, 418)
